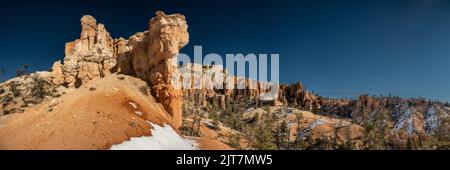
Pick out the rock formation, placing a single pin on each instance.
(149, 55)
(298, 95)
(89, 57)
(253, 89)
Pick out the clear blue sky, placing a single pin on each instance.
(336, 48)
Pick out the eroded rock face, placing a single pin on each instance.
(152, 55)
(19, 93)
(298, 95)
(149, 55)
(87, 58)
(57, 73)
(168, 34)
(215, 85)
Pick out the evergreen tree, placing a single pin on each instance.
(264, 136)
(282, 135)
(409, 144)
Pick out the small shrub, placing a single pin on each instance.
(6, 100)
(13, 88)
(121, 78)
(22, 71)
(38, 88)
(144, 90)
(92, 89)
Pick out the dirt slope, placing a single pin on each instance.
(99, 114)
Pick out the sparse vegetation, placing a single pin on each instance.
(144, 90)
(191, 128)
(2, 73)
(267, 131)
(261, 134)
(13, 88)
(40, 88)
(22, 71)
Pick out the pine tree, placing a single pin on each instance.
(409, 144)
(299, 143)
(282, 134)
(235, 141)
(265, 139)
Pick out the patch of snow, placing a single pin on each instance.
(267, 97)
(403, 117)
(315, 123)
(138, 113)
(410, 128)
(163, 138)
(134, 105)
(431, 120)
(311, 126)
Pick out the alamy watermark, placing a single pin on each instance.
(214, 76)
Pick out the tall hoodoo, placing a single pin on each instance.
(168, 34)
(151, 56)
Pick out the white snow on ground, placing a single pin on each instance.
(163, 138)
(311, 126)
(138, 113)
(404, 117)
(410, 128)
(267, 97)
(134, 105)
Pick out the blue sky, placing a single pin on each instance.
(335, 48)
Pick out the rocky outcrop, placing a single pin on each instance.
(168, 34)
(203, 91)
(312, 129)
(149, 55)
(298, 95)
(406, 119)
(19, 93)
(57, 73)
